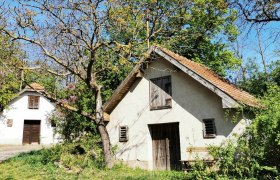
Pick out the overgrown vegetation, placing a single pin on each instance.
(68, 161)
(75, 155)
(256, 153)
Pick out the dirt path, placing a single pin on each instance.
(8, 151)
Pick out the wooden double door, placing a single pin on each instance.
(166, 146)
(31, 132)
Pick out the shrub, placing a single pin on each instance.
(256, 153)
(85, 152)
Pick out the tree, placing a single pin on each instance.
(259, 11)
(10, 75)
(198, 30)
(71, 35)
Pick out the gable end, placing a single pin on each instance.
(228, 102)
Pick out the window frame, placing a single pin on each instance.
(214, 129)
(168, 101)
(123, 136)
(32, 105)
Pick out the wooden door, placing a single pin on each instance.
(166, 146)
(31, 132)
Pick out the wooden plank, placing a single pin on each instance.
(155, 93)
(159, 148)
(106, 116)
(197, 149)
(35, 133)
(167, 150)
(26, 134)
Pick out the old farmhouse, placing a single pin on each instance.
(169, 109)
(26, 119)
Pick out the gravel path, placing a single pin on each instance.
(8, 151)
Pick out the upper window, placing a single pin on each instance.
(33, 102)
(160, 93)
(209, 128)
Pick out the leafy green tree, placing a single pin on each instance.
(198, 30)
(256, 81)
(10, 75)
(266, 129)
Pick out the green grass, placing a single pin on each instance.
(30, 166)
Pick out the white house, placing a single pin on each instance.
(169, 108)
(26, 119)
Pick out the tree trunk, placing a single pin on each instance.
(261, 51)
(107, 151)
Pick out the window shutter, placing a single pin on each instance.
(166, 93)
(123, 134)
(36, 102)
(160, 93)
(30, 102)
(209, 128)
(155, 93)
(33, 102)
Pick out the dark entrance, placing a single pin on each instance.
(166, 146)
(31, 131)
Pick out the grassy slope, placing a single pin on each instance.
(29, 166)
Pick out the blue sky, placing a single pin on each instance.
(270, 43)
(248, 40)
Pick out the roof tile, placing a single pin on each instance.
(236, 93)
(35, 86)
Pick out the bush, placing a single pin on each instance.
(257, 151)
(86, 152)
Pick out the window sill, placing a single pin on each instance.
(123, 141)
(160, 107)
(209, 137)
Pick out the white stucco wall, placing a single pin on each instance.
(191, 103)
(18, 111)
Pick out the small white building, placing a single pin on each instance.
(26, 119)
(169, 109)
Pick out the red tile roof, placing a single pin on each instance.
(233, 91)
(35, 86)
